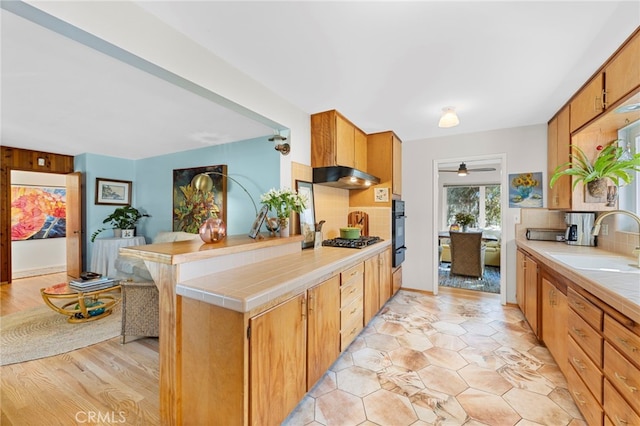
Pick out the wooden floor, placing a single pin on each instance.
(104, 384)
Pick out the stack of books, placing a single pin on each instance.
(93, 284)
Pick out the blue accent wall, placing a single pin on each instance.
(254, 163)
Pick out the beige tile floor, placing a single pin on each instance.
(451, 359)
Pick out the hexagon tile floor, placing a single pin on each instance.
(451, 359)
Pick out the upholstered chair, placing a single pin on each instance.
(467, 254)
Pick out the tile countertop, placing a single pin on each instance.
(262, 285)
(619, 290)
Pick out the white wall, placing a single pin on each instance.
(36, 257)
(122, 23)
(526, 151)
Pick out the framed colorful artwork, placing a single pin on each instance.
(38, 212)
(199, 193)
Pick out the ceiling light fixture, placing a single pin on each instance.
(462, 170)
(449, 118)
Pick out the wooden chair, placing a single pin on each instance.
(467, 254)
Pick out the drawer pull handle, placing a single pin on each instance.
(623, 379)
(626, 344)
(578, 400)
(579, 305)
(620, 421)
(578, 332)
(579, 364)
(353, 311)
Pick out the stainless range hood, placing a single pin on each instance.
(343, 177)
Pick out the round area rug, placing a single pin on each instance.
(40, 332)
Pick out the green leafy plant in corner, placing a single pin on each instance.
(122, 218)
(610, 163)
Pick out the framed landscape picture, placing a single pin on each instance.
(113, 192)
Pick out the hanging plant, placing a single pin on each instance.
(611, 163)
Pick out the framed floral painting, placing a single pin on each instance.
(199, 193)
(525, 189)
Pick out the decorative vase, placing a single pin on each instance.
(272, 224)
(284, 227)
(117, 233)
(524, 191)
(128, 233)
(213, 230)
(597, 188)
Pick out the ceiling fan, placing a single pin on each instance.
(463, 171)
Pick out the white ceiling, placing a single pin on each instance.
(385, 65)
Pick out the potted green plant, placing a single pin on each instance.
(612, 162)
(283, 202)
(122, 218)
(465, 219)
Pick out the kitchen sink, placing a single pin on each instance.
(602, 263)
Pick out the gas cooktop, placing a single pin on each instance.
(356, 243)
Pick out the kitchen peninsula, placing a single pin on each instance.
(239, 319)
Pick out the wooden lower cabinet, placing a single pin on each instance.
(254, 368)
(372, 293)
(617, 408)
(351, 304)
(277, 362)
(323, 328)
(554, 313)
(527, 287)
(587, 404)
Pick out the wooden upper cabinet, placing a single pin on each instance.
(622, 74)
(384, 160)
(558, 141)
(614, 81)
(588, 103)
(335, 141)
(396, 185)
(360, 149)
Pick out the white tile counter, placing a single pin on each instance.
(619, 290)
(258, 286)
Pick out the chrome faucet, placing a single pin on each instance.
(596, 227)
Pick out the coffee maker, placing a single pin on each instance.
(579, 226)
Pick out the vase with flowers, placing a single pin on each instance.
(283, 202)
(464, 220)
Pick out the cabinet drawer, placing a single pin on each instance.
(349, 332)
(587, 310)
(586, 337)
(586, 369)
(351, 312)
(623, 375)
(622, 338)
(589, 407)
(353, 273)
(350, 292)
(617, 408)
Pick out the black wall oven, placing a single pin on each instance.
(397, 231)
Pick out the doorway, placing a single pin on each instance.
(439, 211)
